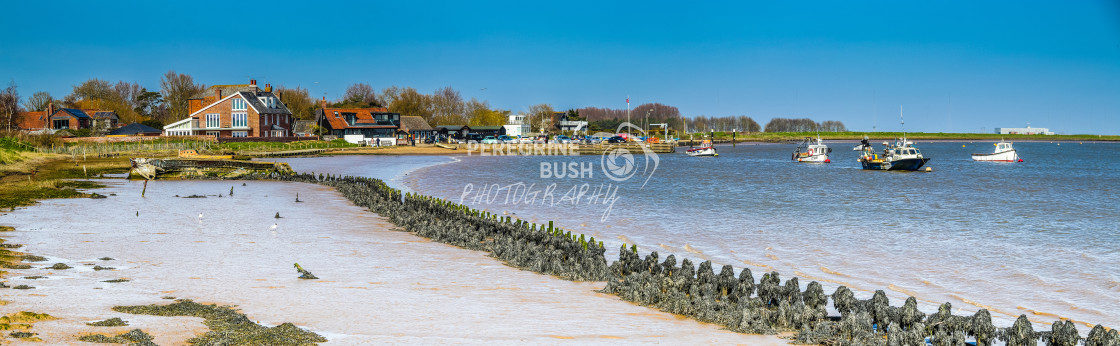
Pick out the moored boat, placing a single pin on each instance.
(811, 150)
(705, 149)
(1004, 152)
(900, 156)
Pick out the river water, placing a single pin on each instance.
(1035, 238)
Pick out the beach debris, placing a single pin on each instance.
(112, 322)
(34, 277)
(96, 195)
(297, 198)
(59, 266)
(195, 196)
(227, 326)
(137, 213)
(304, 274)
(132, 337)
(231, 191)
(277, 215)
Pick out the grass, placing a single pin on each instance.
(227, 326)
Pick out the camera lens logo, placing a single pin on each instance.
(618, 164)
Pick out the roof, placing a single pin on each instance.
(302, 126)
(452, 127)
(77, 113)
(227, 89)
(255, 102)
(32, 120)
(135, 129)
(487, 128)
(414, 123)
(363, 118)
(105, 115)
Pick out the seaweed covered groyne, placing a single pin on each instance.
(737, 302)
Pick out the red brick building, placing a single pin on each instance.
(241, 110)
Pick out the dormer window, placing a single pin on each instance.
(238, 104)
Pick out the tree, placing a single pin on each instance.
(149, 104)
(9, 106)
(298, 101)
(360, 95)
(38, 101)
(411, 102)
(540, 115)
(447, 106)
(177, 89)
(480, 114)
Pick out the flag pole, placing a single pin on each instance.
(627, 117)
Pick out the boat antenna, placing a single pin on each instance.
(902, 121)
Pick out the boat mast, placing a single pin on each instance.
(902, 121)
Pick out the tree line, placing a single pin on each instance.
(803, 125)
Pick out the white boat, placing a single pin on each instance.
(812, 151)
(705, 149)
(1003, 153)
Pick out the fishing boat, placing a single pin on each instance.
(862, 144)
(811, 150)
(705, 149)
(1003, 153)
(900, 156)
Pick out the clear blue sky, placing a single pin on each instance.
(1054, 64)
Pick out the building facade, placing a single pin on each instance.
(1023, 131)
(360, 125)
(235, 111)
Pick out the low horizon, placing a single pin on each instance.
(954, 67)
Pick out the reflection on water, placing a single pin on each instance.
(1035, 238)
(377, 286)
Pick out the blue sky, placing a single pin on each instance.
(954, 66)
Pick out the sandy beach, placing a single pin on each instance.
(377, 285)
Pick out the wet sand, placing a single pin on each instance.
(377, 285)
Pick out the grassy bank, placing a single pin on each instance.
(27, 176)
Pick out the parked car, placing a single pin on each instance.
(525, 140)
(542, 139)
(474, 138)
(490, 140)
(507, 139)
(616, 139)
(562, 139)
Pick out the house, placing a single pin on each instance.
(136, 129)
(1024, 131)
(489, 130)
(453, 131)
(103, 121)
(241, 110)
(570, 124)
(414, 127)
(360, 125)
(303, 128)
(517, 125)
(69, 119)
(34, 121)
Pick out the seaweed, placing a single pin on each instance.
(227, 326)
(106, 258)
(112, 322)
(113, 281)
(59, 266)
(132, 337)
(100, 268)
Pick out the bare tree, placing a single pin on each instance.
(360, 94)
(540, 116)
(389, 95)
(298, 101)
(447, 106)
(411, 102)
(9, 106)
(38, 101)
(177, 89)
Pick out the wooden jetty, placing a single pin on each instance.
(152, 168)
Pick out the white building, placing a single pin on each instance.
(1023, 130)
(517, 125)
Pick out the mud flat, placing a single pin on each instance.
(376, 285)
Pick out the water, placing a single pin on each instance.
(377, 286)
(1035, 238)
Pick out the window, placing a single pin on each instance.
(61, 124)
(212, 120)
(212, 133)
(238, 104)
(240, 120)
(240, 133)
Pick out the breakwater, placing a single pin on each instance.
(737, 302)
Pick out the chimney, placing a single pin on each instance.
(218, 93)
(252, 83)
(324, 102)
(268, 87)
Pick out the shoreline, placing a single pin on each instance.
(494, 275)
